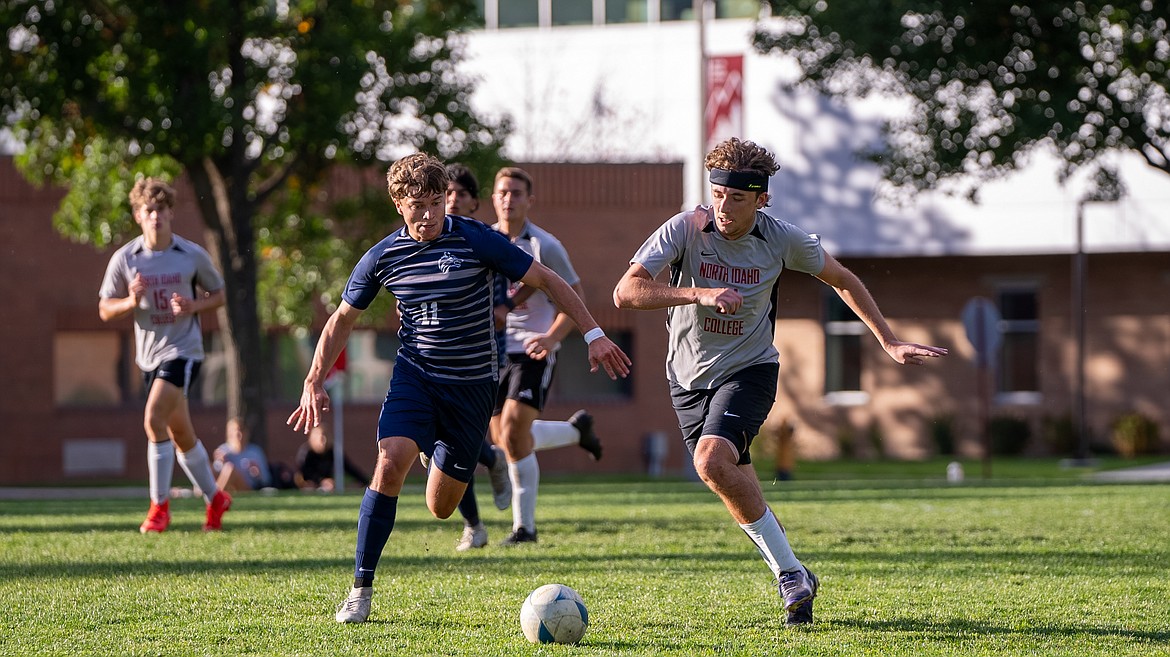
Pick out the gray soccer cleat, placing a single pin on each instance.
(355, 608)
(501, 482)
(803, 615)
(797, 587)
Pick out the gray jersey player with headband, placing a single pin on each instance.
(706, 347)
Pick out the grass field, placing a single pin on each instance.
(1040, 565)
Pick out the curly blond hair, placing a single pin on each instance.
(417, 175)
(151, 190)
(735, 155)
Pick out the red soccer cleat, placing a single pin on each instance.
(157, 519)
(220, 503)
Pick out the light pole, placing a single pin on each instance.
(1106, 187)
(699, 8)
(1078, 309)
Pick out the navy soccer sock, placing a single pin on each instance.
(487, 455)
(375, 522)
(468, 507)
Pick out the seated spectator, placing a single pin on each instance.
(315, 463)
(243, 466)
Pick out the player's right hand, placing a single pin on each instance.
(137, 288)
(604, 353)
(314, 402)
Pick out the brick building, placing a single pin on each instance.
(71, 409)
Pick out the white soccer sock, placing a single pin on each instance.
(772, 542)
(198, 468)
(525, 475)
(547, 434)
(160, 464)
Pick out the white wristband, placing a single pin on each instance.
(593, 334)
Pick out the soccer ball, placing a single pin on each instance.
(554, 613)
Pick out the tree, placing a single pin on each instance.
(990, 81)
(258, 102)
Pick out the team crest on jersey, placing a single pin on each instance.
(449, 262)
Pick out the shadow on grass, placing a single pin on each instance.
(950, 629)
(505, 561)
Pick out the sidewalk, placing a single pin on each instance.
(1146, 473)
(72, 493)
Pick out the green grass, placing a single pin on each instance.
(1042, 566)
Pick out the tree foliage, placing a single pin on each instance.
(990, 81)
(258, 103)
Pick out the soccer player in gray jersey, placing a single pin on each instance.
(534, 334)
(725, 262)
(164, 281)
(440, 269)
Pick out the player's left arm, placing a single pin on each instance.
(854, 293)
(602, 351)
(562, 325)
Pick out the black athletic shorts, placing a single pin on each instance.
(734, 410)
(526, 380)
(180, 373)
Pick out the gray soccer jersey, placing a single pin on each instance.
(706, 347)
(536, 315)
(158, 334)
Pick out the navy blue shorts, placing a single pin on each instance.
(735, 410)
(448, 422)
(180, 373)
(526, 380)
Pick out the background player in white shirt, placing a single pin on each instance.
(535, 331)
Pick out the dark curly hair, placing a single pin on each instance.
(736, 155)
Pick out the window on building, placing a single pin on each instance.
(519, 13)
(625, 11)
(1019, 357)
(211, 385)
(737, 9)
(676, 10)
(574, 383)
(843, 334)
(286, 361)
(572, 12)
(369, 364)
(92, 368)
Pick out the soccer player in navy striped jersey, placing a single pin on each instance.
(725, 262)
(440, 269)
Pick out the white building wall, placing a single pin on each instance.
(630, 92)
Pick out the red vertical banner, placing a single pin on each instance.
(723, 112)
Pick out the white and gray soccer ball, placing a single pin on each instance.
(554, 613)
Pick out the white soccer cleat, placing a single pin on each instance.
(501, 483)
(473, 537)
(355, 608)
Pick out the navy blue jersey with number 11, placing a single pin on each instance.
(444, 289)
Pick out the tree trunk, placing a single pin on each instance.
(231, 241)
